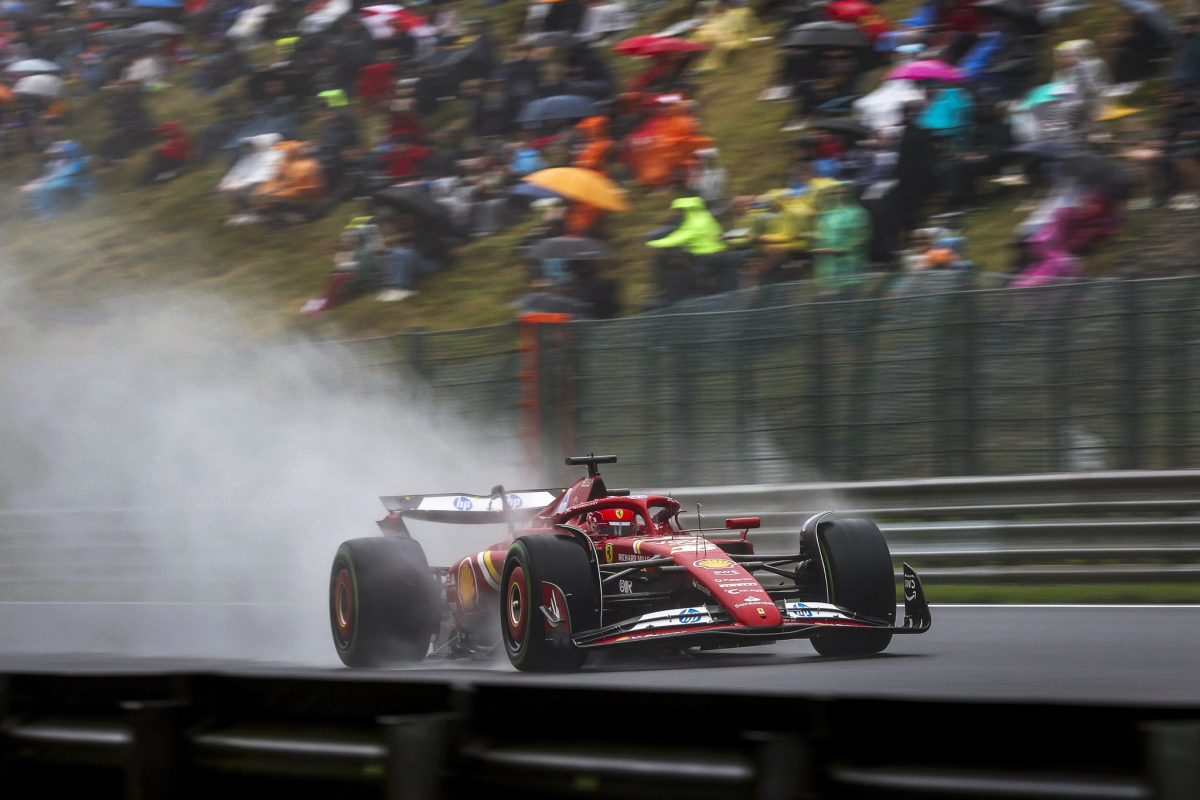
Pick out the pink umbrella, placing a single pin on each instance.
(932, 70)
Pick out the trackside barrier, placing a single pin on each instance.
(1135, 527)
(1124, 526)
(184, 735)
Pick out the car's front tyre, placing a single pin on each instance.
(533, 564)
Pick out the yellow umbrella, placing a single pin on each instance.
(582, 185)
(1115, 112)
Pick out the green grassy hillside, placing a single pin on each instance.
(172, 237)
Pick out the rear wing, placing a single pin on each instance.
(466, 509)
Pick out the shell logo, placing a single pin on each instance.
(713, 563)
(468, 591)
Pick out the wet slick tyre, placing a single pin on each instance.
(533, 563)
(858, 567)
(383, 602)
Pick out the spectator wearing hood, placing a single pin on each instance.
(727, 31)
(65, 177)
(843, 233)
(337, 132)
(298, 188)
(258, 162)
(584, 219)
(914, 168)
(665, 148)
(696, 245)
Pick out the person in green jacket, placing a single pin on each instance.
(843, 233)
(694, 247)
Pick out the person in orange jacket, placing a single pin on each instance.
(584, 219)
(666, 146)
(298, 186)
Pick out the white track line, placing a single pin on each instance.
(1064, 605)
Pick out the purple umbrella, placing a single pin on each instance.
(931, 70)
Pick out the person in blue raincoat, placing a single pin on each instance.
(64, 179)
(951, 116)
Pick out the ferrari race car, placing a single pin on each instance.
(592, 568)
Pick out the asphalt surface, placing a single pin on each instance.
(1123, 654)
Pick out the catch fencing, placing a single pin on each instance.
(914, 376)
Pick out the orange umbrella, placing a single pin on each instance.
(582, 185)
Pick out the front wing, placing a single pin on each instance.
(710, 626)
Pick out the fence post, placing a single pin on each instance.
(819, 380)
(1060, 379)
(1171, 759)
(1131, 399)
(969, 354)
(418, 751)
(154, 769)
(1180, 370)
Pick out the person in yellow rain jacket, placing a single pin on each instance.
(728, 30)
(695, 248)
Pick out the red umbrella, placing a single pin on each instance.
(652, 46)
(863, 14)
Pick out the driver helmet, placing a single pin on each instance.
(616, 522)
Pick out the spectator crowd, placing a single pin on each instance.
(427, 130)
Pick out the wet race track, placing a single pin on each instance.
(1148, 654)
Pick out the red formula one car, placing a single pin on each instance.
(589, 568)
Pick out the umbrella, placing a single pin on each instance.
(828, 35)
(160, 27)
(129, 15)
(121, 36)
(1015, 10)
(32, 66)
(157, 4)
(563, 106)
(846, 127)
(931, 70)
(569, 248)
(557, 39)
(415, 201)
(1115, 111)
(39, 86)
(1152, 13)
(582, 185)
(849, 10)
(651, 46)
(1052, 151)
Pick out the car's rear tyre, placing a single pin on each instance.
(383, 602)
(531, 564)
(858, 569)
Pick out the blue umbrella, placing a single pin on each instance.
(157, 4)
(563, 106)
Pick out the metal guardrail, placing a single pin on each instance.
(1132, 527)
(1100, 527)
(188, 735)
